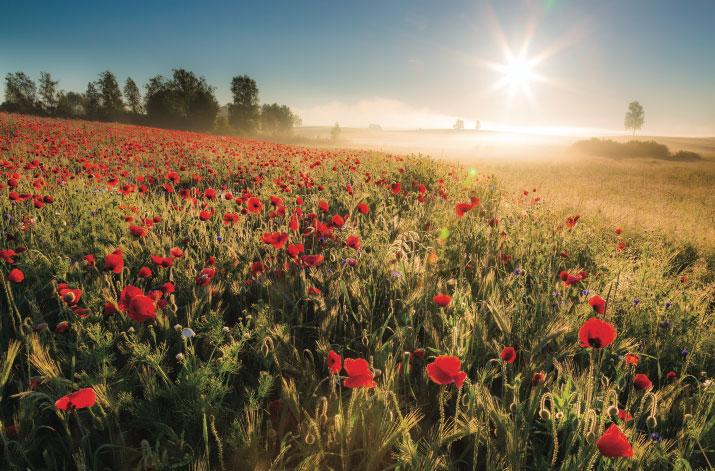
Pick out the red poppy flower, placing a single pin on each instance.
(81, 399)
(138, 231)
(141, 308)
(353, 242)
(257, 268)
(114, 262)
(254, 205)
(205, 215)
(446, 369)
(294, 225)
(641, 382)
(597, 303)
(7, 255)
(359, 374)
(614, 443)
(128, 293)
(334, 362)
(442, 300)
(144, 272)
(69, 296)
(276, 239)
(538, 378)
(16, 275)
(595, 333)
(363, 208)
(632, 359)
(323, 206)
(205, 277)
(462, 208)
(396, 187)
(176, 252)
(230, 218)
(89, 259)
(337, 221)
(312, 260)
(571, 221)
(295, 249)
(508, 354)
(671, 375)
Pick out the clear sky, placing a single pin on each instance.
(397, 63)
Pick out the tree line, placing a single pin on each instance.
(182, 101)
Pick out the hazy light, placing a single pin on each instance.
(518, 72)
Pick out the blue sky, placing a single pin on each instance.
(396, 63)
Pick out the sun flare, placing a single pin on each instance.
(517, 74)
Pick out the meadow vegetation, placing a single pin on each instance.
(180, 300)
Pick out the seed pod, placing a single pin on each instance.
(651, 422)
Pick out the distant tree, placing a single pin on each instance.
(48, 93)
(459, 124)
(133, 97)
(477, 125)
(111, 106)
(184, 102)
(160, 104)
(70, 104)
(374, 127)
(20, 93)
(635, 116)
(277, 118)
(92, 101)
(243, 113)
(335, 132)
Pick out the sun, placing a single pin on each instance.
(518, 72)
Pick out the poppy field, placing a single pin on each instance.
(175, 300)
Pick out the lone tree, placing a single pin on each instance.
(243, 113)
(335, 132)
(635, 116)
(458, 125)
